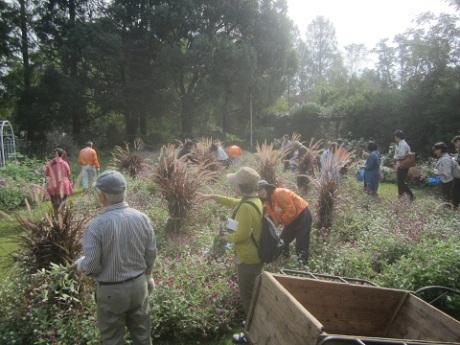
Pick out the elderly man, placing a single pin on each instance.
(119, 250)
(87, 158)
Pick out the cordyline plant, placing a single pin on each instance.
(269, 160)
(206, 158)
(54, 239)
(132, 162)
(327, 187)
(308, 164)
(178, 182)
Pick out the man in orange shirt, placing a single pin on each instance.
(287, 208)
(87, 158)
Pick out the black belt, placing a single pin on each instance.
(123, 281)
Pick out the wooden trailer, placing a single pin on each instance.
(290, 310)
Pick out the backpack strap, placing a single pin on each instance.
(260, 214)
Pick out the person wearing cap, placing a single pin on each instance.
(119, 250)
(58, 185)
(249, 221)
(287, 208)
(87, 158)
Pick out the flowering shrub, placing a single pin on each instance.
(15, 179)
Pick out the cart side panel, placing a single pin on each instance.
(276, 317)
(345, 309)
(419, 320)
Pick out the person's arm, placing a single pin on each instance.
(95, 160)
(372, 162)
(92, 253)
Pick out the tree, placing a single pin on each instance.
(356, 58)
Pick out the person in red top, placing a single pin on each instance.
(87, 158)
(234, 153)
(58, 185)
(287, 208)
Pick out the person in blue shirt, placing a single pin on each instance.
(372, 169)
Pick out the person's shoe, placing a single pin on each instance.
(239, 338)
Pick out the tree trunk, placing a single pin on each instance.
(25, 46)
(187, 115)
(76, 112)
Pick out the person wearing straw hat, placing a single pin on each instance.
(119, 249)
(246, 220)
(289, 209)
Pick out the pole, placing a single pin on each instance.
(250, 116)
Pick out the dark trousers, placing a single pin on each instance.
(403, 188)
(446, 190)
(299, 230)
(456, 193)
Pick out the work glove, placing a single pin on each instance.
(150, 284)
(77, 263)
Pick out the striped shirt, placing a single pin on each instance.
(118, 244)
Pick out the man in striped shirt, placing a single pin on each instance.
(119, 250)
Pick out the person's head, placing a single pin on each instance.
(188, 144)
(371, 146)
(439, 148)
(456, 141)
(213, 147)
(89, 144)
(59, 152)
(265, 190)
(399, 135)
(111, 187)
(285, 137)
(244, 181)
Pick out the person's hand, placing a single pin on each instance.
(204, 197)
(150, 284)
(77, 264)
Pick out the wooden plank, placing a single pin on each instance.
(345, 308)
(419, 320)
(276, 318)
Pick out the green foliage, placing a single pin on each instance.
(17, 179)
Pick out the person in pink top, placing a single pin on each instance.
(87, 158)
(58, 185)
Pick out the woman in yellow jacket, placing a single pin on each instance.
(287, 208)
(246, 220)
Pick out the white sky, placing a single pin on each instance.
(364, 21)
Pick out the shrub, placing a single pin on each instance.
(269, 160)
(308, 164)
(129, 161)
(52, 239)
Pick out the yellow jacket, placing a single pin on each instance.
(249, 221)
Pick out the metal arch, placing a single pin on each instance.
(7, 143)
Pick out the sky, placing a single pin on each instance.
(364, 21)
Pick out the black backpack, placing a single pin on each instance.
(270, 245)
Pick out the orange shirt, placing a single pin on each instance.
(88, 156)
(285, 206)
(234, 151)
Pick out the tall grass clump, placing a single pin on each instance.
(269, 159)
(127, 160)
(178, 183)
(308, 164)
(206, 159)
(56, 238)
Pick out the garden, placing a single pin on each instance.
(389, 241)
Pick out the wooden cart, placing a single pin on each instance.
(291, 310)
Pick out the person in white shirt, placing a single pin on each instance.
(444, 170)
(401, 174)
(221, 156)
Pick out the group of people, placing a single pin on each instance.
(226, 157)
(58, 175)
(119, 248)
